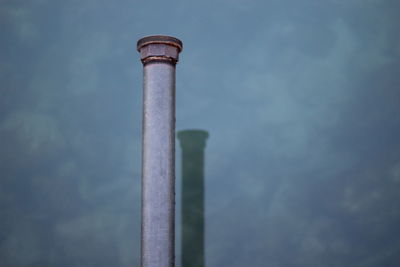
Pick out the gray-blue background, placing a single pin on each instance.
(300, 99)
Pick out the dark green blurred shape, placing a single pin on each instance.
(193, 143)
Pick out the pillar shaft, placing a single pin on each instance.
(159, 55)
(193, 143)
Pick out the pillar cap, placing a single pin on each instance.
(193, 139)
(193, 133)
(160, 39)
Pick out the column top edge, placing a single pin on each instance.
(160, 39)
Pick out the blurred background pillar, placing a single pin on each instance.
(193, 143)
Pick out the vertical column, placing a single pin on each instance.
(193, 143)
(159, 55)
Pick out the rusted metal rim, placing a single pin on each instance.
(159, 59)
(160, 39)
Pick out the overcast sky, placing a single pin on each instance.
(300, 98)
